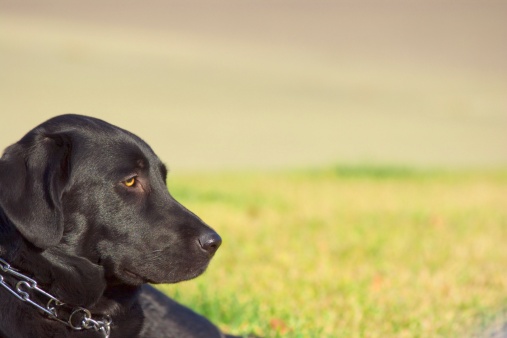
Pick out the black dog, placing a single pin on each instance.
(85, 212)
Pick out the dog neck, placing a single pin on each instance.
(10, 241)
(61, 317)
(72, 279)
(118, 303)
(27, 290)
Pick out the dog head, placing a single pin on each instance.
(85, 188)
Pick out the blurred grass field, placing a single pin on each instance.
(350, 251)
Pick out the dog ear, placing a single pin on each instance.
(33, 175)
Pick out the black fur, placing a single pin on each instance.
(69, 220)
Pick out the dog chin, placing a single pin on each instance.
(135, 278)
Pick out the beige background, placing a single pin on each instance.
(267, 84)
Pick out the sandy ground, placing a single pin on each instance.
(267, 84)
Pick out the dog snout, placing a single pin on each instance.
(210, 242)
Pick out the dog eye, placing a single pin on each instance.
(130, 182)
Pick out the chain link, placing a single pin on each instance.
(25, 285)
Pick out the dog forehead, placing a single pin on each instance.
(88, 127)
(115, 152)
(96, 145)
(96, 142)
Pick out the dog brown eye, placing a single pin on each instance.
(130, 182)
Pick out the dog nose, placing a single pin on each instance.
(210, 242)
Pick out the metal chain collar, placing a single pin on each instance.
(79, 318)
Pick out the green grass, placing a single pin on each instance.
(350, 251)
